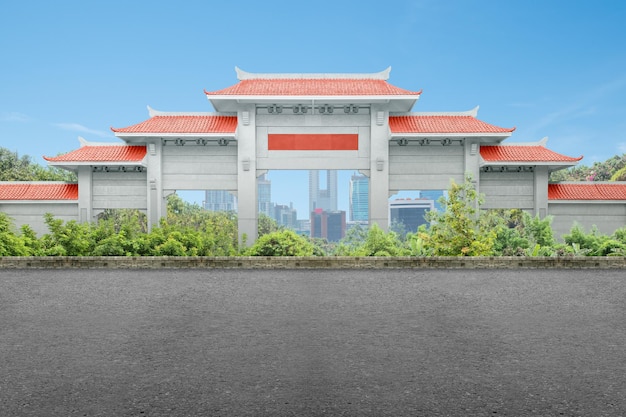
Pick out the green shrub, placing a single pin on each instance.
(281, 243)
(10, 243)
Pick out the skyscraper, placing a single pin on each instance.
(219, 200)
(265, 195)
(329, 225)
(359, 198)
(286, 215)
(324, 198)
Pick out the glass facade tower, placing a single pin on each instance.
(359, 198)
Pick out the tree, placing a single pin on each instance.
(619, 175)
(457, 230)
(268, 225)
(16, 168)
(352, 241)
(599, 171)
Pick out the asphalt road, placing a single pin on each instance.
(311, 343)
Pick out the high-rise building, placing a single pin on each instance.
(410, 213)
(219, 200)
(322, 198)
(264, 196)
(329, 225)
(286, 215)
(359, 198)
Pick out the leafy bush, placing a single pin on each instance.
(67, 239)
(370, 242)
(10, 243)
(461, 229)
(281, 243)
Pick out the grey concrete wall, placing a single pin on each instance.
(429, 167)
(508, 190)
(193, 167)
(115, 190)
(259, 262)
(31, 213)
(607, 217)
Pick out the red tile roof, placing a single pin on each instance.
(522, 153)
(442, 124)
(312, 87)
(587, 191)
(183, 124)
(38, 191)
(113, 153)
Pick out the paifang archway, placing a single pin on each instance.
(356, 122)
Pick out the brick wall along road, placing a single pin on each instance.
(310, 342)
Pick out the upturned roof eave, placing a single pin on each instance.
(527, 162)
(227, 103)
(598, 192)
(420, 135)
(128, 135)
(375, 98)
(586, 200)
(73, 165)
(21, 192)
(41, 201)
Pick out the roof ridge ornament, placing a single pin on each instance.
(382, 75)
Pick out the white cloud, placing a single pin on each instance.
(621, 147)
(75, 127)
(13, 117)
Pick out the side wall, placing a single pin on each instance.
(508, 190)
(115, 190)
(606, 216)
(32, 212)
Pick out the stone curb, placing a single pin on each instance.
(339, 262)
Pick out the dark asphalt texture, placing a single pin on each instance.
(312, 343)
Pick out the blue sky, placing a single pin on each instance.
(550, 68)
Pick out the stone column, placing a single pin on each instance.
(472, 165)
(379, 168)
(85, 194)
(541, 191)
(156, 205)
(472, 162)
(247, 200)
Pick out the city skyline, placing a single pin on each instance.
(300, 178)
(358, 204)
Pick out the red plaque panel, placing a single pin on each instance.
(313, 142)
